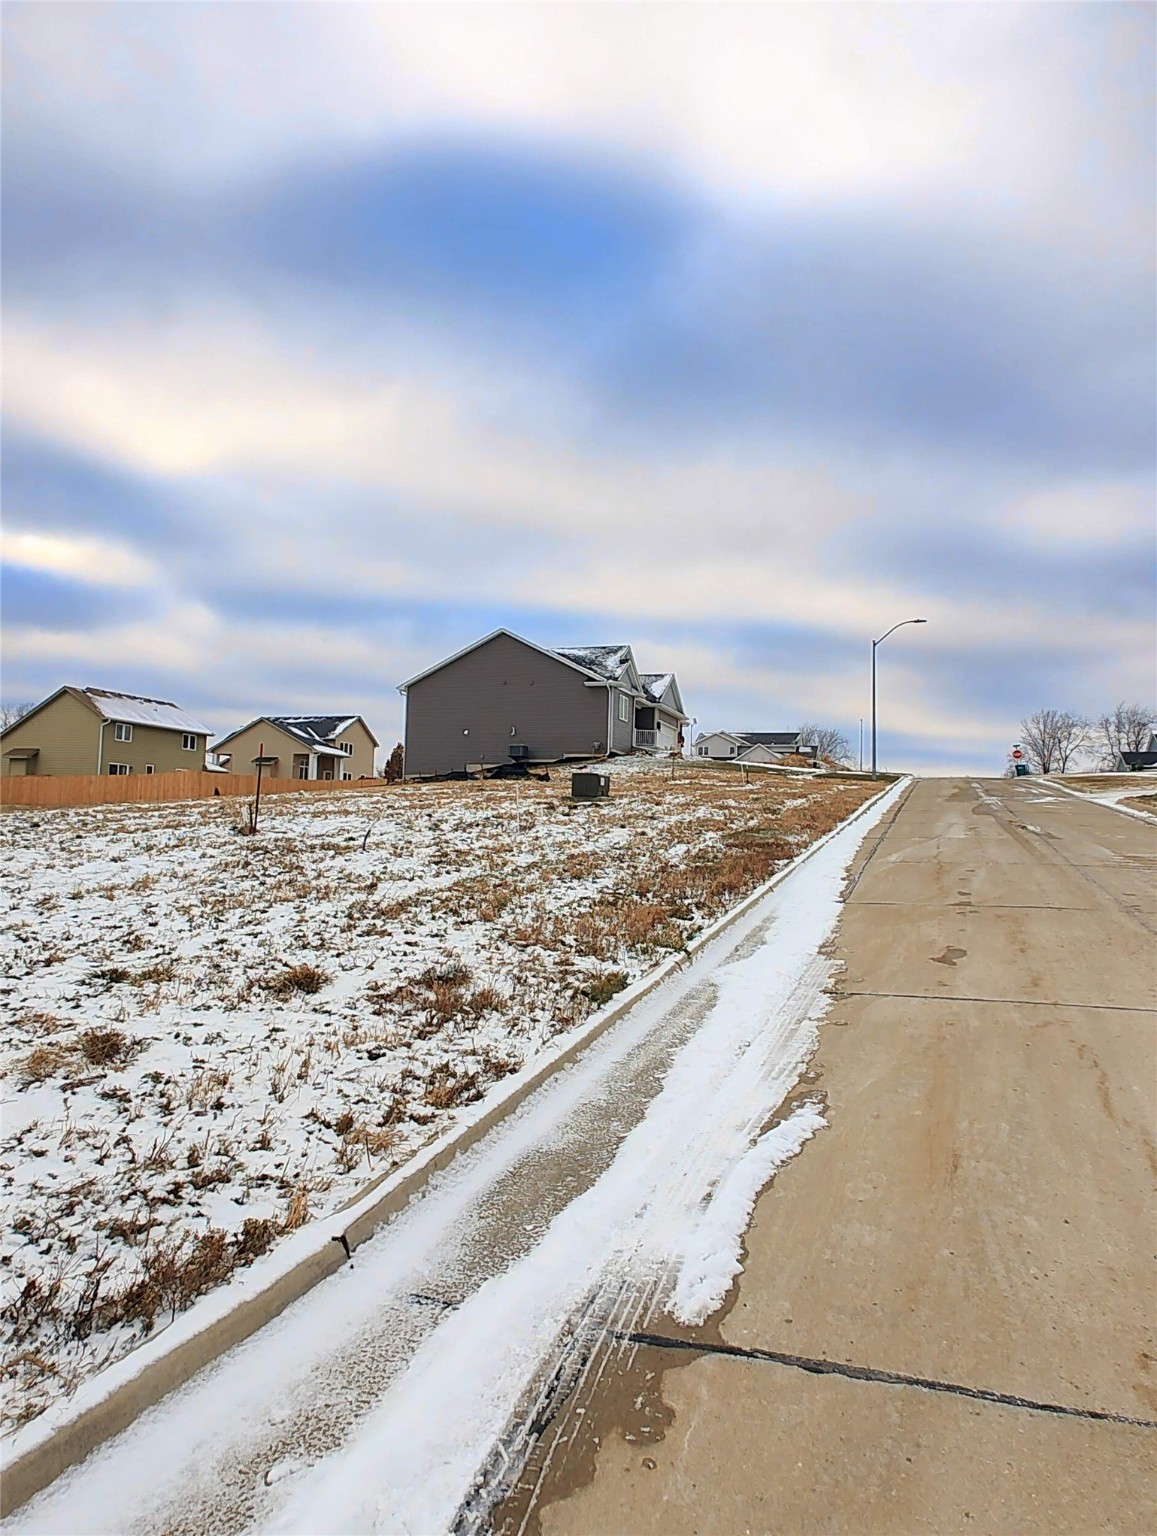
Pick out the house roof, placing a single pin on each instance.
(313, 730)
(606, 661)
(726, 735)
(317, 732)
(1139, 759)
(655, 684)
(132, 709)
(769, 738)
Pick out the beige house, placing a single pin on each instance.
(92, 730)
(302, 747)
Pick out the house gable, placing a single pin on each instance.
(486, 639)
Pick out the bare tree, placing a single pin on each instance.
(830, 743)
(1052, 738)
(1126, 729)
(10, 713)
(393, 768)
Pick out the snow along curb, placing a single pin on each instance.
(108, 1403)
(1110, 805)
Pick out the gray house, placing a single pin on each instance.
(505, 699)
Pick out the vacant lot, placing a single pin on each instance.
(212, 1038)
(1136, 791)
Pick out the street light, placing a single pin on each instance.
(875, 643)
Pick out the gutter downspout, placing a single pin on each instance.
(610, 719)
(100, 746)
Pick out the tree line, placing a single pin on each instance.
(1054, 740)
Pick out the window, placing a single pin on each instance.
(123, 732)
(346, 747)
(624, 708)
(702, 751)
(150, 768)
(189, 741)
(116, 769)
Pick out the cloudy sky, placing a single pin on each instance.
(339, 335)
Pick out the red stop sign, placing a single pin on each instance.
(1017, 753)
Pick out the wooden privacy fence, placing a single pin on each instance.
(49, 793)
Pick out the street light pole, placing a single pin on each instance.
(875, 643)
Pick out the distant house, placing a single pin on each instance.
(505, 699)
(94, 730)
(302, 747)
(720, 745)
(753, 746)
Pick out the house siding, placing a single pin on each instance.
(502, 692)
(66, 732)
(245, 746)
(361, 763)
(623, 731)
(152, 747)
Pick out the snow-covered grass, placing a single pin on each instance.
(1125, 791)
(212, 1038)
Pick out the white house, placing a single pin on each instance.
(720, 746)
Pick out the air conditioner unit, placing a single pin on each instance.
(589, 786)
(519, 751)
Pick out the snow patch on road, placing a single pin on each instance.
(711, 1255)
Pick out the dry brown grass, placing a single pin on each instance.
(600, 989)
(297, 978)
(44, 1062)
(446, 1087)
(107, 1048)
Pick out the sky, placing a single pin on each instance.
(338, 336)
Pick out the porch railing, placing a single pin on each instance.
(646, 738)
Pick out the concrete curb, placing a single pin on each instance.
(110, 1402)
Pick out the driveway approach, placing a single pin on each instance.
(969, 1245)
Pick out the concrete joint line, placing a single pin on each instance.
(1003, 1002)
(819, 1367)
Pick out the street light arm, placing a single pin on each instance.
(876, 643)
(895, 627)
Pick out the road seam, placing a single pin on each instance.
(821, 1367)
(1006, 1002)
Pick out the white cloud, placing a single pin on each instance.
(1102, 513)
(720, 536)
(756, 101)
(92, 560)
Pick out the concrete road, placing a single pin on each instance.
(946, 1318)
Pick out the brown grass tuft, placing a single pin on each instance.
(446, 1087)
(107, 1048)
(298, 978)
(600, 989)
